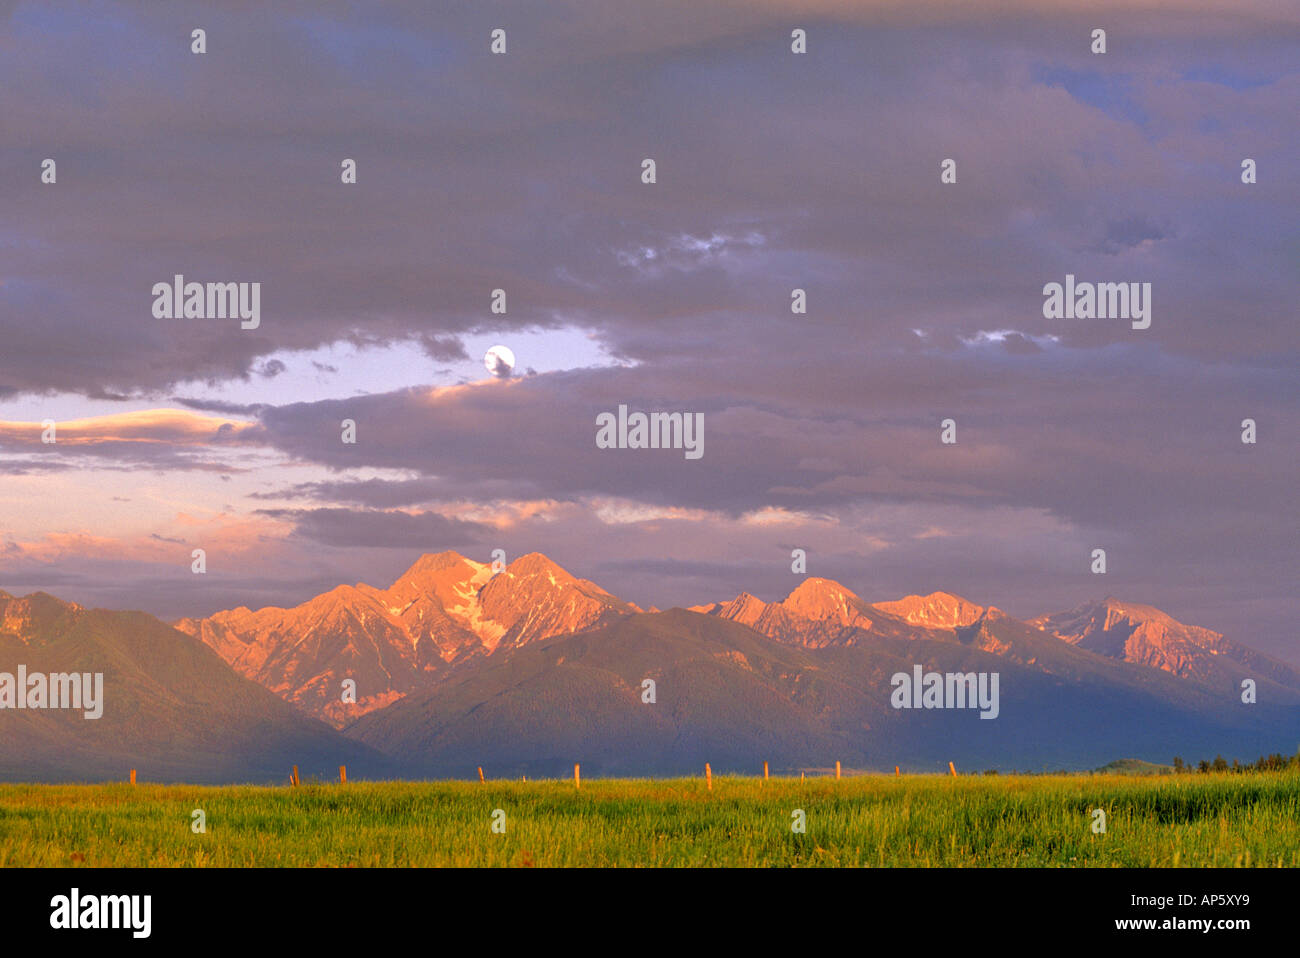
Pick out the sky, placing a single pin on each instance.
(774, 171)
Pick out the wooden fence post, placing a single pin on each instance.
(343, 774)
(480, 774)
(577, 779)
(952, 769)
(296, 780)
(837, 769)
(895, 771)
(708, 775)
(765, 770)
(132, 776)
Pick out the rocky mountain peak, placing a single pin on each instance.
(938, 610)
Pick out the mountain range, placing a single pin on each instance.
(171, 706)
(444, 611)
(526, 669)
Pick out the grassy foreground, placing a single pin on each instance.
(870, 820)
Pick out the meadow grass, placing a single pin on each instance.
(864, 820)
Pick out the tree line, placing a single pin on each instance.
(1276, 762)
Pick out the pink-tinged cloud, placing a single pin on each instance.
(172, 427)
(234, 538)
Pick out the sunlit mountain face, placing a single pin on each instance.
(443, 610)
(446, 614)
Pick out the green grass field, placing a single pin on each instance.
(870, 820)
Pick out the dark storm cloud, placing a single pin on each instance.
(824, 436)
(375, 493)
(403, 530)
(216, 405)
(1128, 233)
(25, 467)
(522, 173)
(1020, 344)
(443, 348)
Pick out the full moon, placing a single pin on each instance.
(499, 361)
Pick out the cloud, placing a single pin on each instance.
(443, 348)
(758, 193)
(499, 364)
(225, 538)
(393, 529)
(216, 405)
(1132, 232)
(171, 427)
